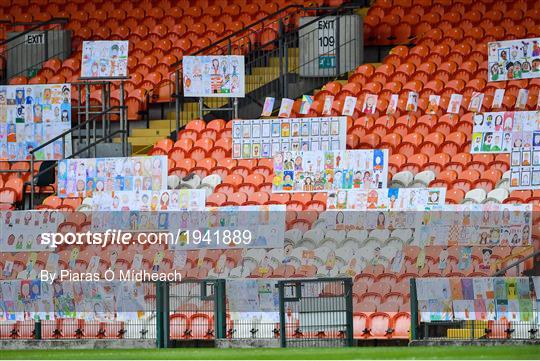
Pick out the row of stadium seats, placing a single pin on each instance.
(63, 328)
(200, 325)
(482, 171)
(159, 35)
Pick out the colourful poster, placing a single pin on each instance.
(104, 59)
(214, 76)
(455, 103)
(307, 100)
(491, 309)
(423, 307)
(285, 108)
(370, 104)
(514, 59)
(321, 171)
(513, 310)
(464, 310)
(511, 288)
(500, 289)
(523, 287)
(498, 98)
(526, 309)
(348, 105)
(480, 309)
(502, 309)
(536, 285)
(268, 107)
(327, 107)
(465, 253)
(467, 288)
(433, 104)
(480, 287)
(412, 102)
(392, 104)
(475, 104)
(522, 98)
(479, 225)
(455, 289)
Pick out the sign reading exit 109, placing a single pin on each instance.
(327, 44)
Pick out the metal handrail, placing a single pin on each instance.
(248, 27)
(502, 271)
(62, 135)
(245, 28)
(240, 34)
(36, 27)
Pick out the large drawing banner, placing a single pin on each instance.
(319, 171)
(493, 131)
(386, 199)
(479, 298)
(525, 160)
(514, 59)
(264, 138)
(84, 176)
(31, 115)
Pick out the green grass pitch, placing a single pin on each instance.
(358, 353)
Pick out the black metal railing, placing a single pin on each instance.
(519, 265)
(480, 330)
(272, 64)
(316, 312)
(90, 145)
(264, 58)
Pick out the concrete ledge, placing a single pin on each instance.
(248, 343)
(75, 344)
(490, 342)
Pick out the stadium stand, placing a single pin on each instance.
(445, 52)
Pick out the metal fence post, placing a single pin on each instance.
(220, 310)
(337, 45)
(162, 314)
(166, 313)
(123, 120)
(286, 66)
(177, 101)
(414, 310)
(46, 36)
(32, 180)
(282, 330)
(37, 330)
(349, 307)
(282, 84)
(104, 108)
(87, 116)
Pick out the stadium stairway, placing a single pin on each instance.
(142, 140)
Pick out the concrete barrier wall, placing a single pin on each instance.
(490, 342)
(74, 344)
(248, 343)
